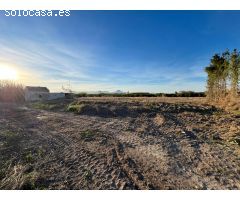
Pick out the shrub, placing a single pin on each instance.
(75, 108)
(11, 92)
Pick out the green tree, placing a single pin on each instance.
(218, 71)
(210, 70)
(223, 69)
(234, 72)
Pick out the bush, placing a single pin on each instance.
(11, 92)
(75, 108)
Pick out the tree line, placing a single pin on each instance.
(223, 75)
(144, 94)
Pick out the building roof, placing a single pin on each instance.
(37, 89)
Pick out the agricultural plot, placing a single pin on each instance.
(119, 143)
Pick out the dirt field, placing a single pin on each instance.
(120, 143)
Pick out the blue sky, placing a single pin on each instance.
(149, 51)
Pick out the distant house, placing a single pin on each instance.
(41, 94)
(36, 93)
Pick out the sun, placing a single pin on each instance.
(8, 73)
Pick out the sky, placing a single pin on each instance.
(135, 51)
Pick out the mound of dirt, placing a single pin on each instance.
(136, 109)
(109, 110)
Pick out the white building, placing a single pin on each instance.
(41, 94)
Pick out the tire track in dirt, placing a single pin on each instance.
(171, 147)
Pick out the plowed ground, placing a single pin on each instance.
(115, 144)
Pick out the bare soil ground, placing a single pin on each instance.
(120, 143)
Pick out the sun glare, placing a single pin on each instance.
(8, 73)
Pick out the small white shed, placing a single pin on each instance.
(41, 94)
(36, 93)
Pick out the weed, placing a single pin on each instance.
(43, 106)
(40, 152)
(234, 141)
(88, 175)
(29, 181)
(87, 135)
(29, 158)
(236, 112)
(11, 138)
(75, 108)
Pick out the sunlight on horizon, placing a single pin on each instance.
(8, 73)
